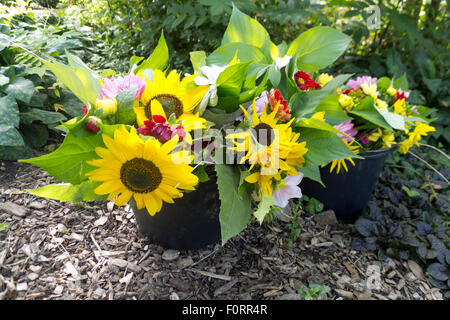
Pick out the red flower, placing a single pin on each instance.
(161, 130)
(85, 110)
(400, 95)
(283, 112)
(91, 125)
(305, 82)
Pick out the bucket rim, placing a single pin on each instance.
(372, 154)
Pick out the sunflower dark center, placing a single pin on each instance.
(140, 175)
(264, 134)
(170, 104)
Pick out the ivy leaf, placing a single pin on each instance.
(46, 117)
(9, 111)
(9, 136)
(235, 212)
(22, 89)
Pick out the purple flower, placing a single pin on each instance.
(355, 84)
(113, 86)
(347, 128)
(363, 138)
(260, 103)
(414, 109)
(288, 189)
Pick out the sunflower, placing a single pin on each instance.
(146, 171)
(267, 140)
(341, 162)
(264, 180)
(176, 97)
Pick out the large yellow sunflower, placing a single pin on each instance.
(269, 141)
(146, 171)
(176, 97)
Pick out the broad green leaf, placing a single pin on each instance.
(80, 81)
(242, 28)
(9, 111)
(220, 117)
(244, 52)
(334, 114)
(125, 102)
(304, 103)
(68, 162)
(318, 47)
(235, 212)
(313, 173)
(366, 110)
(264, 207)
(76, 62)
(3, 80)
(15, 153)
(383, 83)
(9, 136)
(22, 89)
(46, 117)
(323, 147)
(230, 81)
(317, 124)
(35, 135)
(401, 83)
(274, 76)
(69, 193)
(198, 60)
(158, 59)
(396, 121)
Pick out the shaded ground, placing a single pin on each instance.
(53, 250)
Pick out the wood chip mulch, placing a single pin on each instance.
(53, 250)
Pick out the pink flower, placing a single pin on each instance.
(355, 84)
(347, 128)
(288, 189)
(113, 86)
(363, 138)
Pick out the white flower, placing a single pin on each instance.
(210, 76)
(288, 189)
(282, 62)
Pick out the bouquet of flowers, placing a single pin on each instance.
(373, 114)
(148, 136)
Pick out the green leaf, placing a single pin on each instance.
(201, 174)
(314, 206)
(242, 28)
(15, 153)
(4, 225)
(46, 117)
(396, 121)
(383, 83)
(9, 136)
(264, 207)
(80, 81)
(22, 89)
(235, 212)
(244, 52)
(318, 47)
(366, 109)
(35, 135)
(70, 193)
(274, 76)
(313, 173)
(334, 114)
(3, 80)
(410, 193)
(125, 102)
(198, 60)
(401, 83)
(323, 147)
(305, 102)
(68, 162)
(158, 59)
(230, 81)
(220, 117)
(9, 111)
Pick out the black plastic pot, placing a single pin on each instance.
(192, 222)
(347, 193)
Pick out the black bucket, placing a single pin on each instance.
(192, 222)
(347, 193)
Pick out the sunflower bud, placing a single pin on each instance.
(91, 124)
(391, 91)
(108, 106)
(346, 101)
(324, 78)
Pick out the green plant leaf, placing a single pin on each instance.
(20, 88)
(35, 135)
(198, 60)
(304, 103)
(401, 83)
(9, 111)
(68, 162)
(46, 117)
(125, 102)
(3, 80)
(14, 153)
(3, 225)
(313, 173)
(323, 147)
(318, 47)
(235, 212)
(10, 136)
(396, 121)
(334, 114)
(264, 207)
(366, 109)
(244, 52)
(69, 193)
(242, 28)
(158, 59)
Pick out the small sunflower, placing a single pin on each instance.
(266, 140)
(145, 170)
(175, 96)
(341, 162)
(264, 181)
